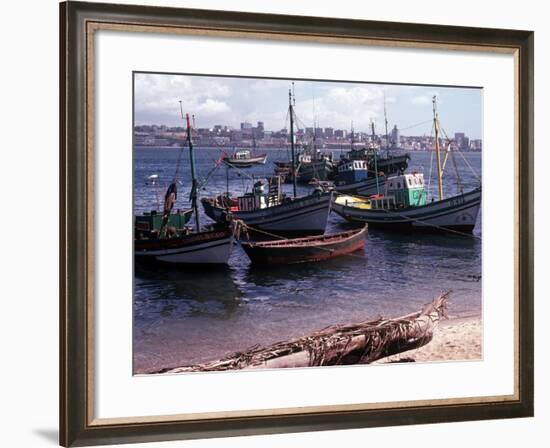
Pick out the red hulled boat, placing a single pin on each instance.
(301, 250)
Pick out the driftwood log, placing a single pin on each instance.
(360, 343)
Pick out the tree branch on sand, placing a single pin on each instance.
(360, 343)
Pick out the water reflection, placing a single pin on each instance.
(173, 292)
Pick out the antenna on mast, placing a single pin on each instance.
(292, 150)
(375, 155)
(438, 157)
(386, 123)
(181, 110)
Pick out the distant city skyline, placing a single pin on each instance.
(231, 101)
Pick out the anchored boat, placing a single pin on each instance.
(268, 209)
(364, 172)
(404, 206)
(172, 246)
(301, 250)
(404, 202)
(245, 159)
(314, 165)
(152, 220)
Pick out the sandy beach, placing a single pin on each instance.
(454, 340)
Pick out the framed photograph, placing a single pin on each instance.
(278, 224)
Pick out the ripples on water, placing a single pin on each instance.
(184, 317)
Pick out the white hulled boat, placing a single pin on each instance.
(183, 247)
(403, 203)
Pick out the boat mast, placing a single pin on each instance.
(438, 157)
(386, 124)
(375, 157)
(314, 124)
(194, 185)
(291, 113)
(352, 140)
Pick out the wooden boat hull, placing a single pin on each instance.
(247, 163)
(393, 164)
(210, 247)
(387, 166)
(318, 169)
(301, 216)
(302, 250)
(457, 213)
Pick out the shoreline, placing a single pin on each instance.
(455, 339)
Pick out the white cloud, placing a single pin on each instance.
(230, 101)
(212, 107)
(425, 99)
(158, 96)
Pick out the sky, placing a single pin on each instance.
(230, 101)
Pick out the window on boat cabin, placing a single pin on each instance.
(410, 182)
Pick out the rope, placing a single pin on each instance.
(475, 277)
(463, 158)
(244, 173)
(433, 225)
(417, 124)
(178, 162)
(431, 166)
(459, 186)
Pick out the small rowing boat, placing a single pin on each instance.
(301, 250)
(245, 159)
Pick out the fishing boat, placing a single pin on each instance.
(404, 203)
(355, 177)
(301, 250)
(152, 220)
(388, 164)
(314, 164)
(267, 209)
(245, 159)
(394, 211)
(363, 171)
(183, 247)
(205, 247)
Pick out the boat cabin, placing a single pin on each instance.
(304, 158)
(352, 171)
(404, 190)
(364, 153)
(264, 194)
(242, 155)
